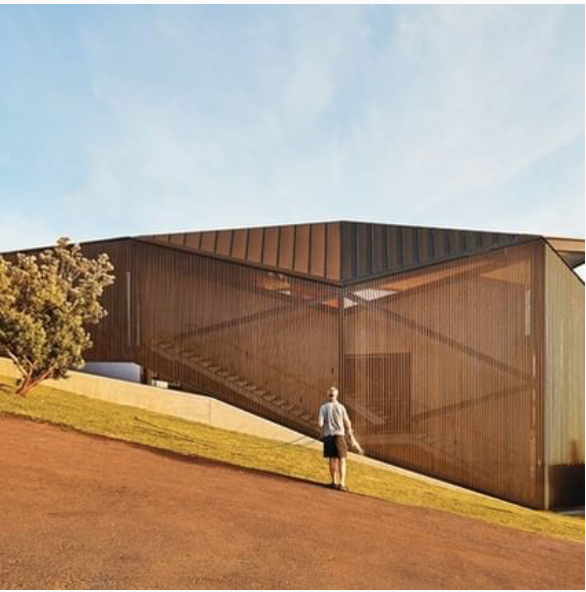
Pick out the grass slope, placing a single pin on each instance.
(129, 424)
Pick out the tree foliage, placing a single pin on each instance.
(46, 305)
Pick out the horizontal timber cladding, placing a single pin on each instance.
(441, 370)
(564, 384)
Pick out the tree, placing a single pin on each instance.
(46, 304)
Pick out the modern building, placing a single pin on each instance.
(459, 354)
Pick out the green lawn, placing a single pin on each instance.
(81, 413)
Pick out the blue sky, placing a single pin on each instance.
(122, 120)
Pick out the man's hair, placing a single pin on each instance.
(333, 392)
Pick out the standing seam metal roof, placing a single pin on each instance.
(341, 252)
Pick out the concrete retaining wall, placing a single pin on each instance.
(188, 406)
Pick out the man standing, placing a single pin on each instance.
(334, 421)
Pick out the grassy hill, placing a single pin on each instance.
(46, 404)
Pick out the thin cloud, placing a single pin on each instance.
(445, 115)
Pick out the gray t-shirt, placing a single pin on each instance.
(331, 417)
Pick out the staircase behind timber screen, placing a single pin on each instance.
(200, 373)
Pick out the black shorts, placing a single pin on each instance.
(335, 447)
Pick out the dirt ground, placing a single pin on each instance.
(83, 512)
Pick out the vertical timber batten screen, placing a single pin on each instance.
(564, 384)
(442, 370)
(440, 367)
(110, 336)
(263, 341)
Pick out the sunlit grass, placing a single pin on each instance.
(129, 424)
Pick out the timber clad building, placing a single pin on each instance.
(459, 354)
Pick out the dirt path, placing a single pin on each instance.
(92, 513)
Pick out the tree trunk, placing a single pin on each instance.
(25, 386)
(28, 383)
